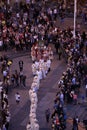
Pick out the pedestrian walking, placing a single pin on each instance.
(47, 114)
(17, 97)
(13, 79)
(4, 128)
(21, 65)
(24, 80)
(74, 98)
(59, 53)
(74, 124)
(7, 121)
(21, 77)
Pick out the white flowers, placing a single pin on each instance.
(33, 98)
(40, 69)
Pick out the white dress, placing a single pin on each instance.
(39, 74)
(48, 64)
(34, 69)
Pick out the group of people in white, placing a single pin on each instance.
(40, 68)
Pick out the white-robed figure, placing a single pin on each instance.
(36, 126)
(51, 55)
(39, 74)
(41, 61)
(48, 64)
(34, 69)
(33, 107)
(33, 55)
(32, 117)
(37, 65)
(45, 53)
(35, 86)
(36, 80)
(28, 127)
(30, 93)
(45, 67)
(40, 70)
(41, 65)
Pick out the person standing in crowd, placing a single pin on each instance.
(21, 77)
(24, 80)
(4, 75)
(12, 79)
(21, 65)
(57, 45)
(47, 114)
(75, 123)
(4, 128)
(17, 97)
(8, 117)
(74, 98)
(59, 53)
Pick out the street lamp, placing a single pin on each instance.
(8, 2)
(1, 105)
(75, 12)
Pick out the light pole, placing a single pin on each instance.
(75, 13)
(8, 2)
(1, 105)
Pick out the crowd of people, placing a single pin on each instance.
(72, 79)
(74, 51)
(41, 66)
(23, 24)
(5, 64)
(42, 58)
(8, 80)
(31, 26)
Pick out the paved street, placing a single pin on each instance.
(46, 95)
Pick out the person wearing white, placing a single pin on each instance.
(62, 98)
(36, 64)
(34, 69)
(51, 55)
(39, 74)
(48, 64)
(43, 70)
(4, 75)
(1, 42)
(34, 87)
(17, 97)
(33, 56)
(28, 127)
